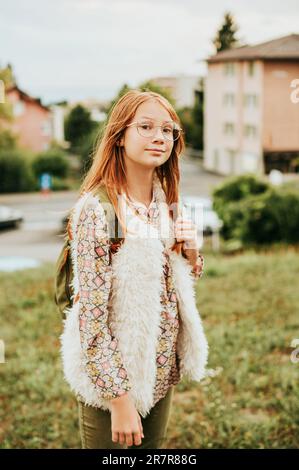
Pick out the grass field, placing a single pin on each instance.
(249, 305)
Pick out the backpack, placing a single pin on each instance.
(63, 275)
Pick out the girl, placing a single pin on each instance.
(133, 331)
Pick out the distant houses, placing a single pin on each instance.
(251, 113)
(35, 124)
(251, 122)
(31, 120)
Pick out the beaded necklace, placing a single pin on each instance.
(147, 218)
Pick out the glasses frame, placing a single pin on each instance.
(177, 127)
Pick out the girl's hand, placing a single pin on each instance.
(186, 231)
(126, 423)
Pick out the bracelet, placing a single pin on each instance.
(198, 269)
(190, 245)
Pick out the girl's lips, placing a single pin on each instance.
(154, 151)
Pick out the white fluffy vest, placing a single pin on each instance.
(135, 313)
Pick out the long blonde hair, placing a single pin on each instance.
(108, 166)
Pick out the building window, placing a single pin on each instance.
(250, 100)
(46, 128)
(250, 130)
(229, 68)
(18, 108)
(229, 128)
(280, 73)
(231, 157)
(250, 69)
(229, 99)
(216, 159)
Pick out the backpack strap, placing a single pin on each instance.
(114, 227)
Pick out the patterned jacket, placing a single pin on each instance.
(134, 326)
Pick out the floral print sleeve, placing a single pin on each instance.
(103, 359)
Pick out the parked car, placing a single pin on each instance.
(211, 223)
(10, 217)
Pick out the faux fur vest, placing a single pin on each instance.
(135, 312)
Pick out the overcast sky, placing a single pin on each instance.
(76, 49)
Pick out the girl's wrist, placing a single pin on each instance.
(119, 399)
(198, 268)
(191, 245)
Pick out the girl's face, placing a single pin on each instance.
(139, 149)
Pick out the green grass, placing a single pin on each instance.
(249, 306)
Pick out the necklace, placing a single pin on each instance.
(144, 218)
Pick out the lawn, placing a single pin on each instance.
(249, 305)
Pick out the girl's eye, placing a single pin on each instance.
(146, 126)
(167, 130)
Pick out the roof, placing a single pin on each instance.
(26, 97)
(284, 48)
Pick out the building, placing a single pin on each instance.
(31, 120)
(251, 110)
(95, 106)
(57, 123)
(181, 87)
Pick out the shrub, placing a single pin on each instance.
(15, 173)
(8, 141)
(87, 148)
(78, 124)
(52, 161)
(269, 217)
(59, 185)
(273, 217)
(234, 189)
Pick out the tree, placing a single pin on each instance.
(8, 80)
(185, 115)
(151, 86)
(192, 120)
(226, 35)
(78, 125)
(8, 140)
(144, 86)
(198, 121)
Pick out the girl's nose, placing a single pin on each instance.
(158, 134)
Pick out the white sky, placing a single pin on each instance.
(76, 49)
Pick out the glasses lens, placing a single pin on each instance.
(176, 133)
(169, 130)
(146, 129)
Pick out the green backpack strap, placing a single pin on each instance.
(63, 290)
(114, 227)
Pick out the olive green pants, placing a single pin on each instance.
(95, 426)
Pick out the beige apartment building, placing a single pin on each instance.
(252, 108)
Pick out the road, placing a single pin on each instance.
(39, 236)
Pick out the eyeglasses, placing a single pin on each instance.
(170, 130)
